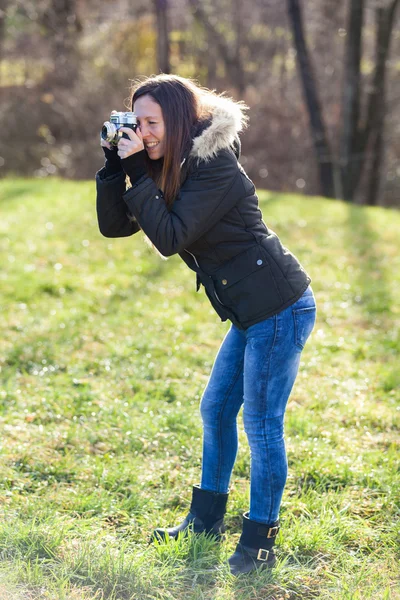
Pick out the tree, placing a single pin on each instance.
(163, 53)
(361, 135)
(62, 27)
(229, 53)
(318, 130)
(3, 7)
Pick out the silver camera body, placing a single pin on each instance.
(110, 131)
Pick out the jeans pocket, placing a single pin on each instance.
(304, 321)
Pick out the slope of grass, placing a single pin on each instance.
(105, 352)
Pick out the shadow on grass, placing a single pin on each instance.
(15, 192)
(374, 295)
(371, 275)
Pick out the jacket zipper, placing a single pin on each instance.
(216, 295)
(195, 260)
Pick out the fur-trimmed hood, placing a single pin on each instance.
(219, 129)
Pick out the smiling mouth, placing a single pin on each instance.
(151, 146)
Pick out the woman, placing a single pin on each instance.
(190, 195)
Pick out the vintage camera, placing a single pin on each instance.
(110, 130)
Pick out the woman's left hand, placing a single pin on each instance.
(131, 146)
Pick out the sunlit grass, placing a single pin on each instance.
(105, 352)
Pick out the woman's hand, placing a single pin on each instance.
(131, 146)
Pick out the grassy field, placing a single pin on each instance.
(105, 352)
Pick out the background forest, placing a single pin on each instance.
(321, 79)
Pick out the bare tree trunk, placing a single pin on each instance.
(240, 75)
(211, 62)
(385, 19)
(375, 175)
(233, 66)
(375, 113)
(318, 129)
(351, 97)
(62, 24)
(3, 8)
(163, 53)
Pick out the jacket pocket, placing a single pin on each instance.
(304, 321)
(245, 284)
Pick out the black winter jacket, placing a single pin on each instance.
(215, 225)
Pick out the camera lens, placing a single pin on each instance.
(108, 131)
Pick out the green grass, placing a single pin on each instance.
(105, 352)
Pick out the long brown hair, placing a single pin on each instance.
(181, 106)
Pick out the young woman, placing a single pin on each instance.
(190, 196)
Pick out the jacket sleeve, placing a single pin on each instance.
(112, 213)
(204, 198)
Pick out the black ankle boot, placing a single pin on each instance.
(254, 549)
(206, 514)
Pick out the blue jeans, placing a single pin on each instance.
(256, 367)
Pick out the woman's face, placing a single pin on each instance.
(152, 126)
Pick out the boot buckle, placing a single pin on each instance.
(272, 532)
(260, 555)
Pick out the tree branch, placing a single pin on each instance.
(318, 129)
